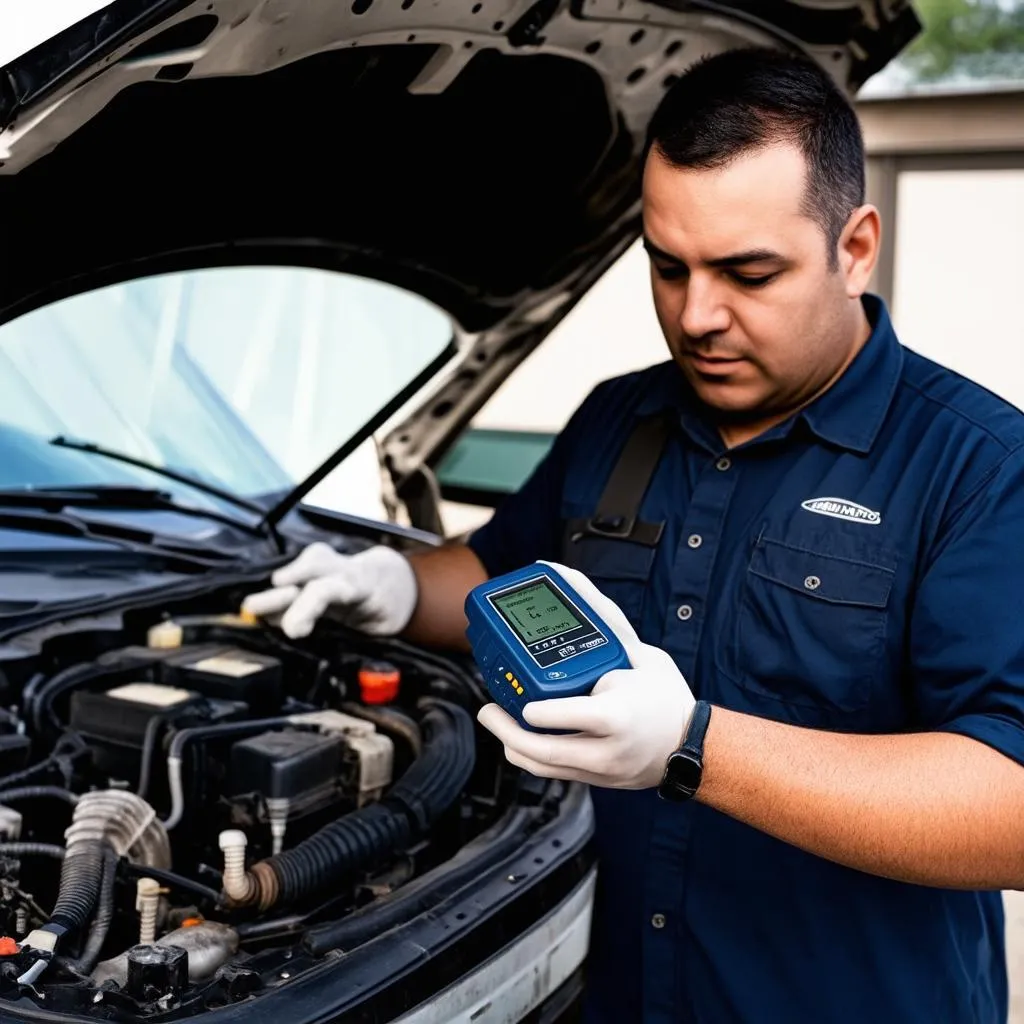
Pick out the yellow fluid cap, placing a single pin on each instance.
(165, 635)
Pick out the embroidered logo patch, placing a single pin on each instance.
(840, 508)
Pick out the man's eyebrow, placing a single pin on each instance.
(653, 250)
(735, 260)
(750, 256)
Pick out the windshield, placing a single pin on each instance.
(245, 377)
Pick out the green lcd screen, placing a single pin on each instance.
(536, 612)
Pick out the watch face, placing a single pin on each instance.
(682, 775)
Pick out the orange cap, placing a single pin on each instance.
(379, 682)
(8, 946)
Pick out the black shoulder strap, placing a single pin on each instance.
(619, 505)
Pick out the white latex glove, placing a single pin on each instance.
(622, 733)
(374, 591)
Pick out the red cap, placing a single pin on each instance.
(8, 946)
(379, 682)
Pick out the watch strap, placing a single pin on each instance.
(693, 742)
(691, 753)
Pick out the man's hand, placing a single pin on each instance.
(622, 733)
(374, 591)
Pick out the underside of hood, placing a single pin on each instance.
(485, 155)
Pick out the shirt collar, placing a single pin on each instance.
(849, 414)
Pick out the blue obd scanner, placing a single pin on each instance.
(535, 638)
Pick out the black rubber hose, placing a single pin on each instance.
(36, 792)
(27, 774)
(339, 849)
(185, 736)
(153, 727)
(28, 693)
(80, 878)
(32, 850)
(45, 695)
(68, 747)
(170, 879)
(355, 841)
(472, 861)
(435, 780)
(102, 918)
(271, 928)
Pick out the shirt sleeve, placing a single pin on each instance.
(527, 525)
(967, 625)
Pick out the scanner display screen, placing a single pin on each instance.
(536, 612)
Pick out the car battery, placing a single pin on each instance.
(116, 721)
(227, 673)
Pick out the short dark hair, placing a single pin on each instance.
(741, 100)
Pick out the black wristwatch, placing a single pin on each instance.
(685, 766)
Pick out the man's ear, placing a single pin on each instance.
(858, 249)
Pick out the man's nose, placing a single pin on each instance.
(704, 311)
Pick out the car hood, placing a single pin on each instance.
(485, 155)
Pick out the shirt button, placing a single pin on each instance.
(684, 611)
(658, 921)
(723, 464)
(812, 583)
(695, 540)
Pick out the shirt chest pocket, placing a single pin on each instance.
(811, 631)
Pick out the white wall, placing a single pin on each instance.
(612, 330)
(958, 293)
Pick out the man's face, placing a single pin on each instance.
(752, 311)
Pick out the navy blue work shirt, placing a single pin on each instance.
(859, 567)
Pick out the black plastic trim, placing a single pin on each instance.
(359, 526)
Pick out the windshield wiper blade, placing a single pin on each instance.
(113, 498)
(172, 474)
(137, 542)
(262, 528)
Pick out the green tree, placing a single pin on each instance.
(967, 38)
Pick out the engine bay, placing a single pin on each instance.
(195, 809)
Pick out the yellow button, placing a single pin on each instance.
(519, 690)
(508, 676)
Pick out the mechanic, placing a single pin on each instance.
(815, 532)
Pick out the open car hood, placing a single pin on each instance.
(483, 155)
